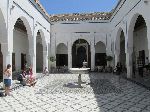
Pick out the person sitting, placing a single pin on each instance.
(45, 71)
(84, 64)
(22, 78)
(118, 68)
(31, 80)
(147, 64)
(140, 66)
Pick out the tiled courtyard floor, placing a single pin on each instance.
(60, 93)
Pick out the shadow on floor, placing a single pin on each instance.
(103, 86)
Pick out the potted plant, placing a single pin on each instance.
(109, 59)
(52, 63)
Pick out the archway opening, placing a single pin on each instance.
(61, 55)
(122, 56)
(1, 65)
(140, 42)
(20, 55)
(81, 56)
(81, 53)
(39, 53)
(100, 54)
(3, 39)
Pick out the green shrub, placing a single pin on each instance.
(109, 58)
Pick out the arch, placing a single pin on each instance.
(61, 55)
(23, 38)
(100, 54)
(80, 39)
(131, 29)
(58, 43)
(62, 49)
(75, 56)
(133, 21)
(3, 39)
(43, 38)
(117, 41)
(39, 51)
(27, 25)
(102, 47)
(81, 56)
(122, 54)
(137, 42)
(3, 30)
(29, 32)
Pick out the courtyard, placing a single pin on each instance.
(100, 92)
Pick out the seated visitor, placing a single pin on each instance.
(147, 63)
(45, 71)
(140, 66)
(84, 64)
(31, 80)
(22, 78)
(118, 68)
(7, 79)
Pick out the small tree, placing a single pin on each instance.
(52, 60)
(109, 59)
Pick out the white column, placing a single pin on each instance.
(129, 64)
(7, 55)
(45, 59)
(69, 55)
(32, 52)
(7, 59)
(148, 36)
(116, 58)
(92, 56)
(33, 61)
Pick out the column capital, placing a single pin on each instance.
(31, 52)
(7, 53)
(92, 47)
(45, 52)
(129, 64)
(4, 48)
(130, 50)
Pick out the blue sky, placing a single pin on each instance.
(78, 6)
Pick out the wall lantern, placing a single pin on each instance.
(12, 7)
(146, 1)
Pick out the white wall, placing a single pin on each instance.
(140, 41)
(69, 33)
(62, 49)
(39, 57)
(100, 48)
(105, 31)
(21, 45)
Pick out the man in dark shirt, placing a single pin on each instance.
(140, 66)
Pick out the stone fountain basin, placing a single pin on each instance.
(79, 70)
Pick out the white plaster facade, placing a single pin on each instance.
(108, 32)
(34, 21)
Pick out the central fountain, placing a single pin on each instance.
(79, 71)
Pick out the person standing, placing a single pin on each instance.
(140, 66)
(7, 79)
(147, 63)
(119, 68)
(45, 71)
(134, 69)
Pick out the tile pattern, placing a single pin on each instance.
(100, 93)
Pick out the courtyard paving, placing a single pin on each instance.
(60, 93)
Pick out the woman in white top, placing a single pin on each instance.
(7, 79)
